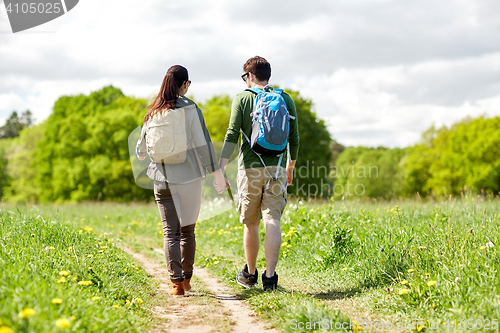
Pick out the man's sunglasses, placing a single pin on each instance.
(244, 76)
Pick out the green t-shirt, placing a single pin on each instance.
(241, 120)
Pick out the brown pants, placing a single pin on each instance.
(179, 206)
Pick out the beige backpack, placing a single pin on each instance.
(166, 138)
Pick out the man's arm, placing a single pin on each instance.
(232, 134)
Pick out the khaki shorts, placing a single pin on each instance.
(254, 200)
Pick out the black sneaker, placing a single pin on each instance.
(246, 279)
(269, 283)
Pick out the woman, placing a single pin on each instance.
(178, 187)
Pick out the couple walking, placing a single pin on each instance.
(263, 173)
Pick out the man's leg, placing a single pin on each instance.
(272, 245)
(251, 244)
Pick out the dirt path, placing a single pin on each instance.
(210, 308)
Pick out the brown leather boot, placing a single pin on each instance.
(177, 289)
(187, 285)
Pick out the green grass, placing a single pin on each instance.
(363, 252)
(43, 258)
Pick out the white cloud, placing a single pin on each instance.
(380, 72)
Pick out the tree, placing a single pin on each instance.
(15, 124)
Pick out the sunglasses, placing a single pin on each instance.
(244, 76)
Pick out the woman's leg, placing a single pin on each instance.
(171, 230)
(190, 203)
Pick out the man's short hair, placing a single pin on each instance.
(259, 66)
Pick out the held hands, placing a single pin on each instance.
(219, 182)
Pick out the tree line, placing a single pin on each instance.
(80, 152)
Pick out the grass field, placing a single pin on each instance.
(436, 262)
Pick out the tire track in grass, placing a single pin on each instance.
(185, 314)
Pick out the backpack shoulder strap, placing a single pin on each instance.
(254, 90)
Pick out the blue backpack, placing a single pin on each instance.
(270, 124)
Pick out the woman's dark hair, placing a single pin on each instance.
(169, 91)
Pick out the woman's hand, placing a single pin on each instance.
(219, 182)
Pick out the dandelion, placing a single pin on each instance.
(289, 246)
(411, 270)
(427, 274)
(6, 329)
(420, 328)
(70, 248)
(51, 248)
(88, 229)
(221, 248)
(105, 216)
(26, 313)
(72, 317)
(404, 282)
(433, 305)
(64, 273)
(421, 247)
(63, 323)
(344, 269)
(74, 278)
(85, 283)
(403, 291)
(127, 302)
(89, 256)
(90, 268)
(382, 261)
(96, 298)
(62, 279)
(116, 306)
(56, 301)
(482, 247)
(431, 283)
(139, 300)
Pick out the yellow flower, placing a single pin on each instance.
(105, 216)
(90, 268)
(421, 247)
(89, 256)
(63, 323)
(404, 282)
(56, 301)
(427, 274)
(62, 279)
(127, 302)
(433, 305)
(64, 273)
(403, 291)
(116, 306)
(482, 247)
(382, 261)
(88, 229)
(74, 278)
(411, 270)
(139, 300)
(26, 313)
(51, 248)
(6, 329)
(420, 328)
(96, 298)
(289, 246)
(431, 283)
(85, 283)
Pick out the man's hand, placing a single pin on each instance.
(290, 165)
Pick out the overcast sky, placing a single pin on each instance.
(379, 72)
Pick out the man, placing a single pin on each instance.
(259, 197)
